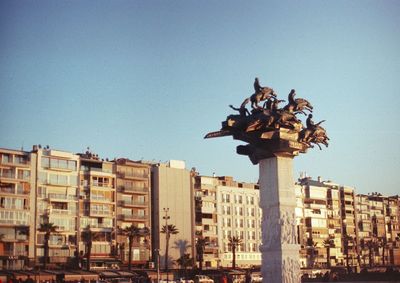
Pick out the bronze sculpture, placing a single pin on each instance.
(270, 130)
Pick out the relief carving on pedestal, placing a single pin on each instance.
(280, 227)
(290, 270)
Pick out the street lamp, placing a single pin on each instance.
(157, 251)
(166, 217)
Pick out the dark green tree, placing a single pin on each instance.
(134, 233)
(47, 229)
(234, 242)
(200, 246)
(168, 230)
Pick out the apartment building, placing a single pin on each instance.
(16, 208)
(206, 220)
(172, 204)
(315, 228)
(226, 208)
(56, 188)
(133, 207)
(97, 210)
(378, 232)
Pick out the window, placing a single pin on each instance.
(24, 174)
(6, 158)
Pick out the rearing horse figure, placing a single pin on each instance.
(298, 104)
(264, 94)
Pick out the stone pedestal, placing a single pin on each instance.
(280, 251)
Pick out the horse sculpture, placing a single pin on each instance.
(313, 133)
(298, 104)
(264, 94)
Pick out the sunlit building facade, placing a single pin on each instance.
(133, 208)
(97, 210)
(56, 188)
(16, 209)
(227, 208)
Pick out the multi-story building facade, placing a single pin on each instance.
(315, 227)
(172, 204)
(133, 207)
(16, 209)
(97, 210)
(56, 194)
(378, 235)
(226, 208)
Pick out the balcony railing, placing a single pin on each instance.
(15, 253)
(132, 203)
(7, 175)
(132, 217)
(134, 189)
(132, 175)
(61, 196)
(63, 211)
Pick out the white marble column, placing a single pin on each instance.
(280, 251)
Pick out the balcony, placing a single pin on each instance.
(94, 198)
(15, 254)
(8, 175)
(100, 185)
(132, 217)
(61, 197)
(141, 190)
(101, 213)
(133, 175)
(63, 212)
(132, 203)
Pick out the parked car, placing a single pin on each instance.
(256, 278)
(203, 279)
(184, 280)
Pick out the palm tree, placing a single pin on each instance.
(312, 251)
(329, 243)
(371, 248)
(168, 230)
(185, 261)
(134, 233)
(200, 245)
(48, 229)
(88, 236)
(346, 245)
(234, 242)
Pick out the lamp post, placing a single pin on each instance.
(157, 251)
(166, 217)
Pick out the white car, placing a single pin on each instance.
(184, 280)
(203, 279)
(256, 278)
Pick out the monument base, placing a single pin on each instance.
(280, 251)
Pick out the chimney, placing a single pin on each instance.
(319, 179)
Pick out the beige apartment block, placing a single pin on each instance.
(326, 224)
(97, 211)
(16, 209)
(172, 204)
(378, 230)
(206, 219)
(56, 194)
(227, 208)
(133, 208)
(315, 225)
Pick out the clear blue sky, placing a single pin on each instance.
(148, 79)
